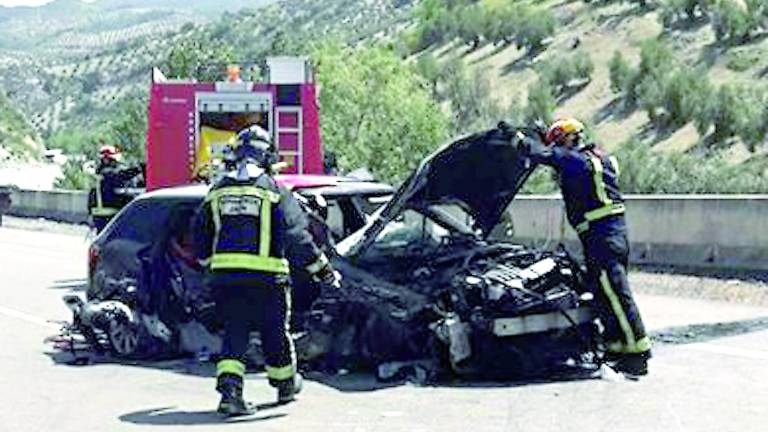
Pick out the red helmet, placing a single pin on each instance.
(561, 128)
(110, 152)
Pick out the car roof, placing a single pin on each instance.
(324, 185)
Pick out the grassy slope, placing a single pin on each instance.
(603, 29)
(123, 57)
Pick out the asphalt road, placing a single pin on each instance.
(705, 377)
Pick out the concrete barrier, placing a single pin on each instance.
(684, 230)
(64, 206)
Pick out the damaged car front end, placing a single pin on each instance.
(425, 284)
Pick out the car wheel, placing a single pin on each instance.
(123, 338)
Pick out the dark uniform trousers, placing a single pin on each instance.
(246, 303)
(606, 251)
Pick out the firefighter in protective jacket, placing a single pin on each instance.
(105, 200)
(588, 179)
(249, 230)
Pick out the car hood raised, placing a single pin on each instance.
(481, 172)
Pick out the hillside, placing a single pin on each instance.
(67, 58)
(73, 76)
(598, 30)
(77, 73)
(602, 30)
(61, 22)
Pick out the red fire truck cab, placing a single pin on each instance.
(190, 122)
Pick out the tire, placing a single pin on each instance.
(124, 338)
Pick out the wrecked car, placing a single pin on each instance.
(425, 286)
(145, 297)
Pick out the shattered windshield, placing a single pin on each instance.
(416, 231)
(409, 230)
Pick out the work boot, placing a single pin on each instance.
(631, 365)
(232, 403)
(288, 389)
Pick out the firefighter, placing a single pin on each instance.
(588, 179)
(105, 200)
(248, 230)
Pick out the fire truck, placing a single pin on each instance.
(191, 122)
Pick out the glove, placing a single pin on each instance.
(531, 144)
(523, 144)
(328, 277)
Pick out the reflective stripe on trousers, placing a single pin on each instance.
(631, 344)
(231, 367)
(278, 372)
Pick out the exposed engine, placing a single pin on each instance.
(502, 291)
(514, 283)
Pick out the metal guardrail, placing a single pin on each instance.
(688, 230)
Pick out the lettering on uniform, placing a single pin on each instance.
(241, 206)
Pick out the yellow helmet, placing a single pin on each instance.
(562, 128)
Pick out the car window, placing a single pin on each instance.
(412, 229)
(335, 220)
(371, 203)
(454, 215)
(143, 221)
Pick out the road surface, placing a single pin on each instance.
(708, 377)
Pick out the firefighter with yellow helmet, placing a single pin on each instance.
(588, 178)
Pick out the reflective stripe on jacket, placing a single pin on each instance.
(589, 183)
(253, 226)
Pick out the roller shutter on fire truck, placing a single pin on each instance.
(191, 122)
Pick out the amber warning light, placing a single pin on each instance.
(233, 73)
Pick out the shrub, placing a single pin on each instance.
(541, 103)
(535, 25)
(472, 24)
(651, 97)
(673, 11)
(620, 72)
(198, 58)
(731, 22)
(724, 110)
(433, 23)
(655, 55)
(74, 176)
(685, 90)
(742, 61)
(642, 85)
(561, 73)
(377, 112)
(469, 96)
(646, 171)
(582, 66)
(428, 68)
(754, 128)
(503, 23)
